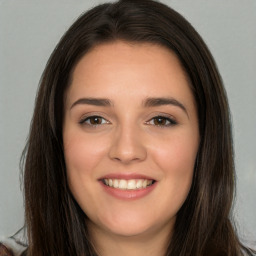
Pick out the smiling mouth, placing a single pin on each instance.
(133, 184)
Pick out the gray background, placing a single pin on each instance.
(29, 30)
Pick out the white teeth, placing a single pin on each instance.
(139, 184)
(122, 184)
(131, 184)
(128, 184)
(116, 183)
(150, 182)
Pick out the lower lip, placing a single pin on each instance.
(128, 194)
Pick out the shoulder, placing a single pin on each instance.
(13, 246)
(4, 251)
(9, 247)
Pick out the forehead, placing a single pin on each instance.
(130, 53)
(133, 68)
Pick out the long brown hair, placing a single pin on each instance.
(56, 224)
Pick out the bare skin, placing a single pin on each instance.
(130, 117)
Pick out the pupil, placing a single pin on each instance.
(159, 121)
(96, 120)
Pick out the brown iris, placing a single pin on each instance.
(95, 120)
(160, 121)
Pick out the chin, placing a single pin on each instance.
(126, 230)
(133, 225)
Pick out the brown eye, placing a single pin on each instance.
(162, 121)
(94, 120)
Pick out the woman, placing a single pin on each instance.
(130, 148)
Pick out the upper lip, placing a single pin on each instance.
(126, 176)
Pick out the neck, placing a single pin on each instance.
(150, 243)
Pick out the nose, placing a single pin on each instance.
(128, 145)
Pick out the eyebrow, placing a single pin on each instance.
(155, 102)
(148, 102)
(93, 101)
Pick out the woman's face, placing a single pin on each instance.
(130, 138)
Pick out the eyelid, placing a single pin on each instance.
(172, 121)
(83, 120)
(84, 115)
(169, 118)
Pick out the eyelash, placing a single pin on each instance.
(84, 120)
(171, 121)
(168, 120)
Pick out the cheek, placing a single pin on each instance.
(176, 159)
(82, 154)
(179, 151)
